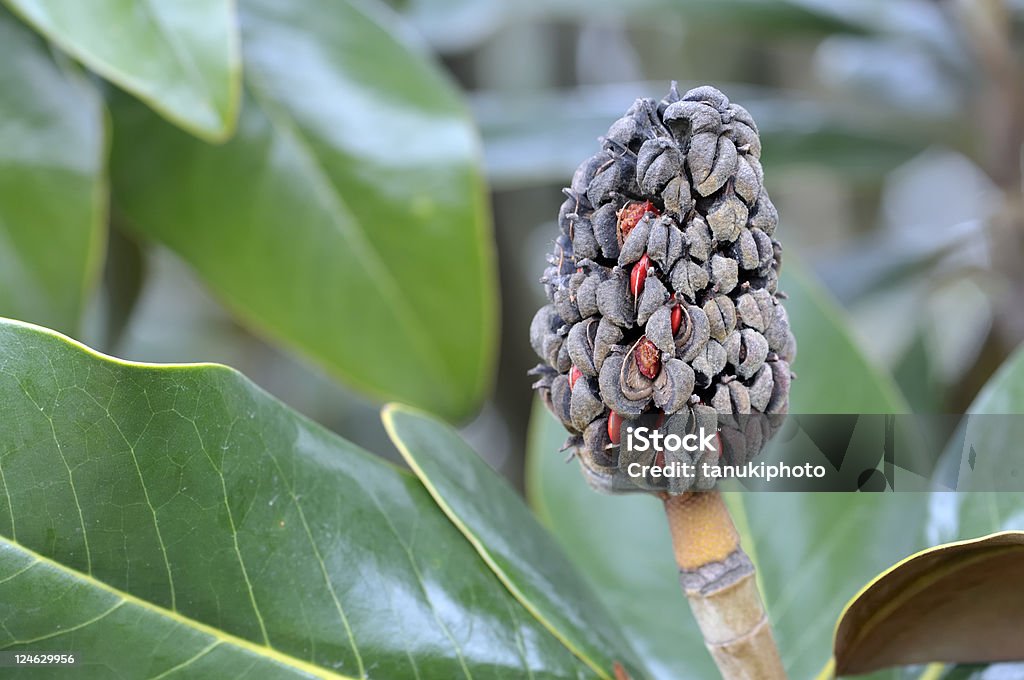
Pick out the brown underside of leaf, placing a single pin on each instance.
(961, 602)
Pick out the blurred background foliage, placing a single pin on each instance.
(892, 134)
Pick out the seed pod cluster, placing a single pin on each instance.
(663, 291)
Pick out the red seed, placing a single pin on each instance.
(638, 275)
(574, 375)
(647, 357)
(631, 214)
(677, 317)
(614, 427)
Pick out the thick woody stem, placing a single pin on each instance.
(719, 582)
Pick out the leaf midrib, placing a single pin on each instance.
(220, 636)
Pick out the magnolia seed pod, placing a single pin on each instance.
(755, 309)
(779, 402)
(584, 405)
(723, 170)
(724, 273)
(635, 245)
(565, 298)
(560, 397)
(746, 351)
(580, 346)
(747, 183)
(553, 350)
(636, 376)
(562, 361)
(708, 95)
(699, 239)
(661, 286)
(625, 132)
(584, 174)
(617, 178)
(604, 222)
(606, 338)
(766, 254)
(693, 334)
(676, 197)
(761, 389)
(721, 313)
(777, 331)
(595, 440)
(727, 216)
(614, 300)
(710, 361)
(744, 137)
(545, 322)
(700, 157)
(658, 162)
(659, 329)
(731, 398)
(584, 243)
(653, 296)
(586, 294)
(763, 215)
(674, 385)
(610, 382)
(690, 279)
(744, 251)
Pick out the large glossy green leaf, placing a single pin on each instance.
(954, 602)
(179, 57)
(155, 518)
(347, 219)
(501, 528)
(53, 199)
(812, 550)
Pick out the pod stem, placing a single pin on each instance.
(718, 579)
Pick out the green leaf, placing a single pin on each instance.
(347, 219)
(776, 18)
(177, 517)
(53, 199)
(812, 550)
(954, 602)
(181, 58)
(957, 517)
(961, 515)
(621, 546)
(835, 376)
(123, 279)
(508, 537)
